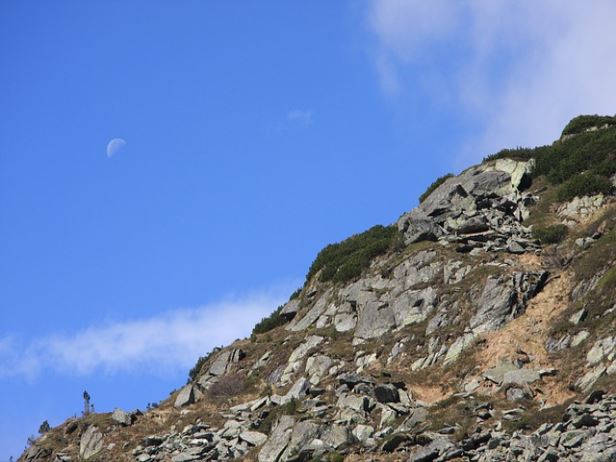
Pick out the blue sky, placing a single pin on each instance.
(255, 133)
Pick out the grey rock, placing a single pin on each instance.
(91, 443)
(573, 438)
(318, 308)
(413, 306)
(374, 319)
(578, 316)
(387, 393)
(336, 436)
(278, 441)
(225, 358)
(497, 374)
(458, 346)
(363, 432)
(36, 453)
(505, 298)
(122, 417)
(186, 396)
(298, 390)
(253, 438)
(520, 377)
(302, 437)
(290, 308)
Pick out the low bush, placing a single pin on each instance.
(582, 123)
(550, 234)
(346, 260)
(518, 153)
(584, 185)
(439, 181)
(271, 322)
(565, 159)
(228, 386)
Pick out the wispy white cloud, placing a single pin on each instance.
(523, 68)
(302, 116)
(165, 342)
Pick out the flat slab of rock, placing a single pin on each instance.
(253, 438)
(278, 440)
(185, 397)
(91, 443)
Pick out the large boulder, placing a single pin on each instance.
(223, 361)
(122, 417)
(91, 443)
(186, 396)
(278, 441)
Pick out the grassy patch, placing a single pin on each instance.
(608, 280)
(550, 234)
(439, 181)
(454, 411)
(533, 418)
(347, 260)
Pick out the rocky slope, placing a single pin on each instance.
(478, 327)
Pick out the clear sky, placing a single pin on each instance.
(254, 133)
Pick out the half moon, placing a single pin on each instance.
(114, 146)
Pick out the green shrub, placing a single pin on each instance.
(296, 294)
(439, 181)
(583, 122)
(270, 322)
(518, 153)
(550, 234)
(346, 260)
(564, 159)
(584, 185)
(582, 165)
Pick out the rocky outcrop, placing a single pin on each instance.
(483, 208)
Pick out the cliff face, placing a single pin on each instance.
(478, 327)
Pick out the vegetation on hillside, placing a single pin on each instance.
(550, 234)
(578, 166)
(270, 322)
(193, 374)
(346, 260)
(584, 122)
(519, 153)
(439, 181)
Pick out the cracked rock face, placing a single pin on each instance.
(481, 208)
(505, 298)
(91, 443)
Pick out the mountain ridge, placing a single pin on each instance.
(475, 327)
